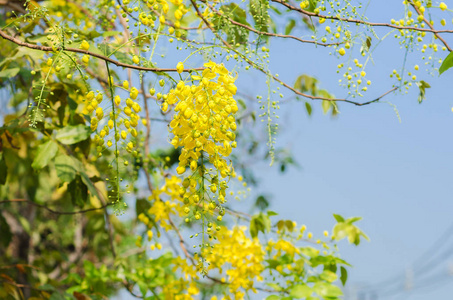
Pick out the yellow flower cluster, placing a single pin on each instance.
(282, 247)
(204, 119)
(242, 258)
(125, 124)
(163, 7)
(204, 123)
(166, 201)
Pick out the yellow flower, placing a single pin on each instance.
(443, 6)
(85, 45)
(117, 100)
(180, 67)
(134, 93)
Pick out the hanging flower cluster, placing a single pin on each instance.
(204, 119)
(241, 257)
(126, 117)
(203, 127)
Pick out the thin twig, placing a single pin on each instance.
(55, 211)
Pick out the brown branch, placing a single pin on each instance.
(430, 26)
(105, 58)
(147, 135)
(357, 21)
(55, 211)
(268, 33)
(181, 241)
(256, 66)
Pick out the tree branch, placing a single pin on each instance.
(253, 64)
(268, 33)
(289, 6)
(105, 58)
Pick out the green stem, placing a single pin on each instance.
(33, 123)
(116, 134)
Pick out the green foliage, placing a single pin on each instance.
(447, 63)
(345, 228)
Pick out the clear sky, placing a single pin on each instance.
(397, 176)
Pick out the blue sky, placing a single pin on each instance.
(397, 176)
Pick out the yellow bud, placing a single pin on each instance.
(85, 45)
(180, 67)
(134, 93)
(117, 100)
(180, 170)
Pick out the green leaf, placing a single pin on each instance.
(235, 34)
(290, 26)
(325, 106)
(67, 167)
(141, 206)
(327, 290)
(309, 23)
(422, 85)
(300, 291)
(353, 220)
(44, 154)
(343, 275)
(347, 229)
(338, 218)
(328, 276)
(312, 7)
(366, 45)
(289, 225)
(310, 251)
(88, 182)
(73, 134)
(306, 83)
(273, 297)
(308, 108)
(447, 63)
(259, 223)
(261, 202)
(6, 236)
(275, 286)
(110, 33)
(8, 73)
(78, 191)
(3, 171)
(271, 213)
(57, 296)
